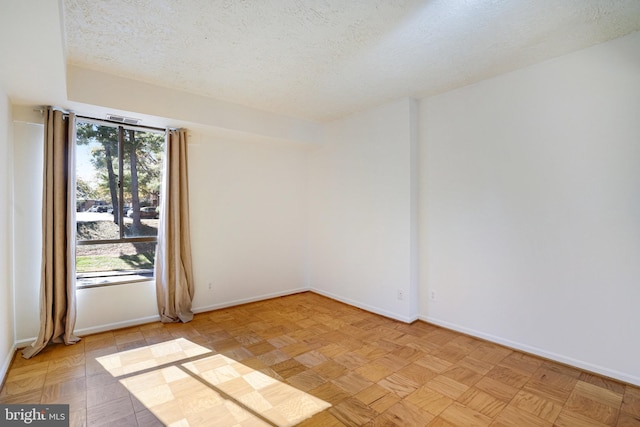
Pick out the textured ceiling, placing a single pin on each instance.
(322, 59)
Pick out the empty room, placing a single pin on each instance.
(320, 213)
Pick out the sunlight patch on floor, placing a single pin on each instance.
(185, 384)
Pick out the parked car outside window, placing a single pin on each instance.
(147, 212)
(98, 208)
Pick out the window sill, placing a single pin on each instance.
(97, 280)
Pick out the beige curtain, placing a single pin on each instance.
(173, 270)
(57, 288)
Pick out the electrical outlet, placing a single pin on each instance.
(432, 295)
(210, 286)
(400, 295)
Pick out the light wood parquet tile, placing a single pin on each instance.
(439, 422)
(329, 392)
(34, 396)
(296, 349)
(407, 354)
(631, 401)
(475, 365)
(568, 418)
(433, 363)
(352, 412)
(598, 394)
(491, 353)
(78, 417)
(311, 358)
(417, 343)
(404, 413)
(551, 384)
(351, 360)
(373, 371)
(430, 400)
(273, 357)
(58, 352)
(286, 368)
(324, 419)
(145, 418)
(536, 405)
(371, 394)
(512, 416)
(306, 380)
(627, 420)
(462, 415)
(482, 402)
(466, 342)
(447, 386)
(593, 409)
(393, 362)
(462, 375)
(352, 382)
(115, 412)
(62, 375)
(64, 392)
(399, 385)
(26, 371)
(496, 389)
(450, 353)
(508, 376)
(329, 369)
(334, 349)
(522, 363)
(384, 403)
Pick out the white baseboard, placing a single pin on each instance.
(611, 373)
(4, 368)
(156, 318)
(366, 307)
(116, 325)
(247, 300)
(24, 342)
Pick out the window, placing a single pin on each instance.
(118, 177)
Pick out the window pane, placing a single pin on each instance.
(98, 225)
(115, 259)
(97, 182)
(141, 181)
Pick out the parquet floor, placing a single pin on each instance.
(370, 369)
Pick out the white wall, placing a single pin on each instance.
(361, 211)
(118, 306)
(6, 275)
(248, 220)
(27, 212)
(531, 187)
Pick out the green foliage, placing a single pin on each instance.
(91, 263)
(84, 190)
(148, 150)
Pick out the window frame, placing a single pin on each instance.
(121, 229)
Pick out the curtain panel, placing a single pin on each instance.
(173, 265)
(58, 274)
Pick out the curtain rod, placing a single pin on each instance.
(66, 114)
(122, 124)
